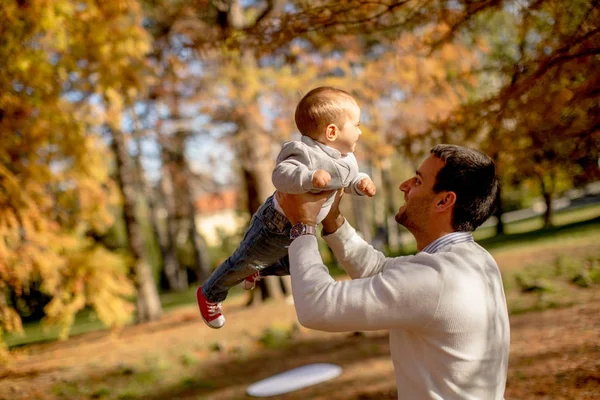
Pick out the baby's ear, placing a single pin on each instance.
(331, 132)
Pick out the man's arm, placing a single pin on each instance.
(334, 220)
(358, 258)
(404, 294)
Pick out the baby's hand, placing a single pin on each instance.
(321, 178)
(367, 186)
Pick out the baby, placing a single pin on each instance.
(328, 120)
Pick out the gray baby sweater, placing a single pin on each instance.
(298, 161)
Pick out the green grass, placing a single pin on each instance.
(535, 225)
(571, 230)
(568, 279)
(136, 380)
(34, 332)
(193, 383)
(277, 336)
(127, 381)
(87, 321)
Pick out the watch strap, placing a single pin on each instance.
(301, 229)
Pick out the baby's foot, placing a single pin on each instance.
(211, 312)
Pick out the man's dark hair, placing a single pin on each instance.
(471, 175)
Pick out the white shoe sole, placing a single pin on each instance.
(211, 326)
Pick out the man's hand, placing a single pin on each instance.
(302, 207)
(367, 186)
(334, 219)
(321, 178)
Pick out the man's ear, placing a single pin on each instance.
(331, 132)
(445, 200)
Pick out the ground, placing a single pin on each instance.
(555, 354)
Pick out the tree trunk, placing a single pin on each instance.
(173, 273)
(548, 212)
(362, 222)
(498, 212)
(286, 285)
(380, 241)
(148, 302)
(199, 247)
(185, 197)
(253, 199)
(145, 188)
(389, 191)
(494, 151)
(185, 212)
(547, 193)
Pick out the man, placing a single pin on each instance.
(445, 306)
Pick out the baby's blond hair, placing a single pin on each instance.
(320, 107)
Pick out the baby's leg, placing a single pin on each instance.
(264, 243)
(280, 268)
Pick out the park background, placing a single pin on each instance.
(138, 136)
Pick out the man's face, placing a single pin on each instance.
(419, 197)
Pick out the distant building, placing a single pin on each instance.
(217, 211)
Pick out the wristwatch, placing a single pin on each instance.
(300, 229)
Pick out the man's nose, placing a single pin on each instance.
(404, 186)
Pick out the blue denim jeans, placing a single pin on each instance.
(264, 248)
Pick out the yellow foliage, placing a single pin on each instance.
(91, 276)
(54, 182)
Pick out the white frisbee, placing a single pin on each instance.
(294, 379)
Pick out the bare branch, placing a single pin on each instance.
(265, 12)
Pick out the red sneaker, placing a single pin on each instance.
(250, 281)
(211, 312)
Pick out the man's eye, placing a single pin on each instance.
(417, 181)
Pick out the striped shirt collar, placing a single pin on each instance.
(448, 239)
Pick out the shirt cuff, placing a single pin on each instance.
(339, 237)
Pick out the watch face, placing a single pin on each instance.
(297, 230)
(302, 229)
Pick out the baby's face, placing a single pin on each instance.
(349, 133)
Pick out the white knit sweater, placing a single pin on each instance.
(446, 312)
